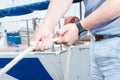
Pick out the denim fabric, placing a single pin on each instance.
(105, 59)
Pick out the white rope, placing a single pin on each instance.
(16, 60)
(19, 57)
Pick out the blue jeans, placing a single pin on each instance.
(105, 59)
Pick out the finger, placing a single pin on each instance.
(62, 31)
(67, 40)
(60, 40)
(44, 44)
(39, 45)
(48, 43)
(60, 34)
(63, 39)
(35, 38)
(57, 34)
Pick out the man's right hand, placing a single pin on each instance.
(42, 37)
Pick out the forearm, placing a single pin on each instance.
(110, 9)
(56, 10)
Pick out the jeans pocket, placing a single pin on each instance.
(108, 54)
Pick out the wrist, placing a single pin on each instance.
(79, 27)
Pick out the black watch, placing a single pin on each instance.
(79, 26)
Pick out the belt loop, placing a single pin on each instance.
(92, 37)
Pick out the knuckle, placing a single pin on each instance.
(66, 40)
(69, 44)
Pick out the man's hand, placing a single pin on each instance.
(68, 34)
(42, 37)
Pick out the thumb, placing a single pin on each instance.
(60, 35)
(61, 31)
